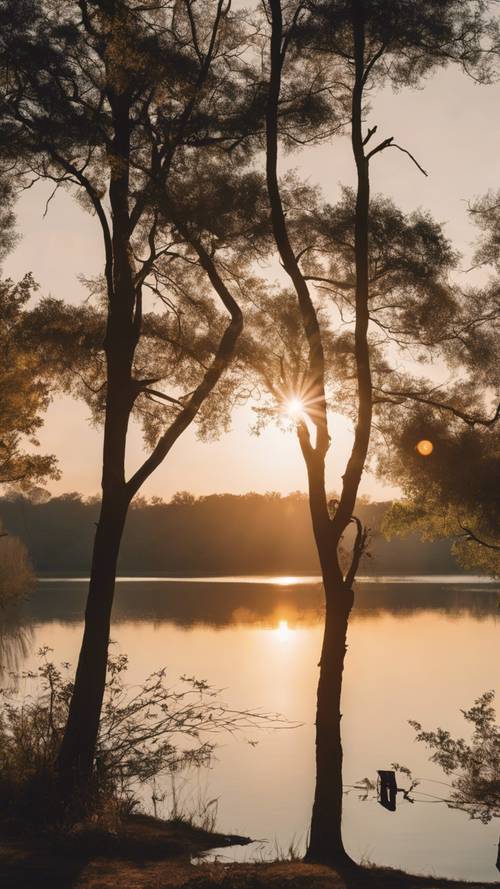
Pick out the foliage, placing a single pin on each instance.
(146, 733)
(441, 499)
(16, 573)
(410, 40)
(192, 110)
(460, 419)
(24, 392)
(474, 765)
(413, 303)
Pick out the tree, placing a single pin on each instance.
(365, 43)
(136, 110)
(439, 498)
(24, 396)
(24, 391)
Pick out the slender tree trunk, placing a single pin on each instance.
(77, 752)
(326, 829)
(325, 841)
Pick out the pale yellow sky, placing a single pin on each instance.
(452, 126)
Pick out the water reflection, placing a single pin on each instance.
(283, 631)
(415, 651)
(299, 601)
(16, 636)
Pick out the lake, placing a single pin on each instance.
(418, 648)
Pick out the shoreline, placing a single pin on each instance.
(148, 853)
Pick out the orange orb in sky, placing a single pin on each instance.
(425, 447)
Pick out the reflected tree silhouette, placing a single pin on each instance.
(16, 634)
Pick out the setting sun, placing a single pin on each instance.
(294, 408)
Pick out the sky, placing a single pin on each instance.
(452, 127)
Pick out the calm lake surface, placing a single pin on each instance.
(419, 648)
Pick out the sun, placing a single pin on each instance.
(294, 407)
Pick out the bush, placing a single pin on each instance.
(146, 733)
(16, 573)
(474, 766)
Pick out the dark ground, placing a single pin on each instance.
(150, 854)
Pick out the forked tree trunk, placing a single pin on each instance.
(325, 841)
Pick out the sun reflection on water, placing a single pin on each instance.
(290, 580)
(283, 631)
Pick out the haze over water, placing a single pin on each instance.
(418, 649)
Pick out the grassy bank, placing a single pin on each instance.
(152, 854)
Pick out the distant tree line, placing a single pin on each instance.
(216, 534)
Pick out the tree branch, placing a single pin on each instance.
(471, 536)
(221, 361)
(424, 399)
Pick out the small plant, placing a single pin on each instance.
(293, 853)
(474, 767)
(146, 733)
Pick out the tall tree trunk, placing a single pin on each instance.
(77, 752)
(326, 844)
(326, 829)
(325, 840)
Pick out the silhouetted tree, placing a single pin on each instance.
(453, 492)
(137, 110)
(24, 393)
(365, 43)
(440, 498)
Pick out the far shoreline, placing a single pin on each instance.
(282, 580)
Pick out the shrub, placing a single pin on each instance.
(146, 733)
(16, 573)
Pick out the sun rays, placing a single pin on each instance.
(300, 402)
